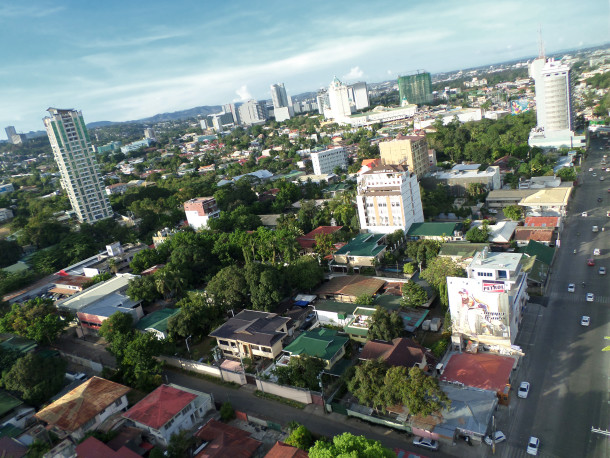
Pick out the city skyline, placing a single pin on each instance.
(121, 62)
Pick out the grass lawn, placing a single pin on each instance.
(202, 349)
(4, 231)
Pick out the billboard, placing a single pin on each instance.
(519, 106)
(479, 308)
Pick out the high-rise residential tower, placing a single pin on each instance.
(411, 150)
(10, 131)
(359, 95)
(278, 96)
(253, 112)
(282, 105)
(80, 175)
(339, 100)
(415, 89)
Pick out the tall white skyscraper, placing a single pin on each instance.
(359, 95)
(339, 100)
(80, 175)
(282, 105)
(554, 105)
(279, 97)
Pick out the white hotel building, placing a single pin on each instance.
(388, 199)
(325, 162)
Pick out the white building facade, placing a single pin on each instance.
(253, 112)
(554, 105)
(338, 98)
(487, 306)
(200, 210)
(78, 168)
(358, 95)
(388, 199)
(325, 162)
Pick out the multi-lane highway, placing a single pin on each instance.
(564, 362)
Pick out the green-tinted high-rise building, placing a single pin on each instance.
(80, 175)
(415, 89)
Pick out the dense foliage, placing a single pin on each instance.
(35, 377)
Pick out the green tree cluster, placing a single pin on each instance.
(413, 295)
(514, 212)
(36, 377)
(134, 352)
(478, 234)
(300, 437)
(385, 326)
(436, 273)
(301, 372)
(37, 319)
(379, 386)
(348, 445)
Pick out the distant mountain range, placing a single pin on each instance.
(162, 117)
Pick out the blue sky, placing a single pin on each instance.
(123, 60)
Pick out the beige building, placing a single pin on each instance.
(411, 151)
(252, 334)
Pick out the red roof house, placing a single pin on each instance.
(168, 410)
(225, 440)
(308, 241)
(400, 352)
(282, 450)
(524, 234)
(94, 448)
(482, 370)
(542, 221)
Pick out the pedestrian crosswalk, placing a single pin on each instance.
(578, 297)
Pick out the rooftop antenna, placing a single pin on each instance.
(540, 43)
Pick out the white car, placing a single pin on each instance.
(596, 252)
(594, 174)
(601, 178)
(602, 270)
(571, 288)
(590, 297)
(584, 214)
(591, 169)
(498, 436)
(533, 445)
(524, 390)
(424, 442)
(585, 321)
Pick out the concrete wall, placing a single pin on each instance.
(93, 365)
(202, 368)
(296, 394)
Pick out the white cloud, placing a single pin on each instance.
(354, 74)
(243, 94)
(390, 72)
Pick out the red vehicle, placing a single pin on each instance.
(590, 262)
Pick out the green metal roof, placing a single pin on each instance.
(388, 301)
(157, 320)
(433, 229)
(18, 343)
(363, 245)
(461, 249)
(10, 431)
(540, 250)
(365, 311)
(8, 403)
(341, 308)
(356, 330)
(536, 269)
(322, 343)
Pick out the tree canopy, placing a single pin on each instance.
(37, 319)
(385, 325)
(301, 372)
(348, 445)
(514, 212)
(36, 377)
(413, 295)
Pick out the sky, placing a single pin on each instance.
(126, 60)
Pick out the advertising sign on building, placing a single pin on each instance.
(479, 311)
(493, 286)
(519, 106)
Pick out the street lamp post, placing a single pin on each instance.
(186, 341)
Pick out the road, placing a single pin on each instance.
(313, 417)
(569, 374)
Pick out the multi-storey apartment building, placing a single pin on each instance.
(388, 199)
(407, 150)
(199, 211)
(415, 89)
(487, 306)
(79, 172)
(327, 161)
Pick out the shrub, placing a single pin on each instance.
(227, 412)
